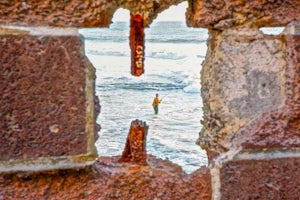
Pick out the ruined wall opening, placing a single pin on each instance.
(173, 56)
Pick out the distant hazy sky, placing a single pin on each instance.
(174, 13)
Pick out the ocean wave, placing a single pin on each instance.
(159, 82)
(193, 88)
(165, 55)
(126, 53)
(106, 38)
(125, 38)
(107, 53)
(155, 82)
(175, 40)
(158, 86)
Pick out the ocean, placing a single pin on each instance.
(173, 57)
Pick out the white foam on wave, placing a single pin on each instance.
(165, 55)
(193, 88)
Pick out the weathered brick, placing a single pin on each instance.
(261, 179)
(43, 98)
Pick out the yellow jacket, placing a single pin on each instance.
(156, 101)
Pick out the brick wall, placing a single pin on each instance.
(250, 90)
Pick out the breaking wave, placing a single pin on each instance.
(152, 83)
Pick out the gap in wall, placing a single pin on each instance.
(173, 56)
(272, 30)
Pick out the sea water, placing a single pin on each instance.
(173, 56)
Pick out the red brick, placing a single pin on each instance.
(261, 179)
(42, 102)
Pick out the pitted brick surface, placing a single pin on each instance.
(42, 98)
(261, 179)
(73, 13)
(221, 14)
(87, 13)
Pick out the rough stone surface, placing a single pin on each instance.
(221, 14)
(108, 179)
(250, 88)
(88, 13)
(261, 179)
(43, 100)
(280, 128)
(242, 78)
(73, 13)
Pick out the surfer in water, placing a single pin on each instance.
(155, 103)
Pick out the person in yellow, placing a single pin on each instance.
(155, 103)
